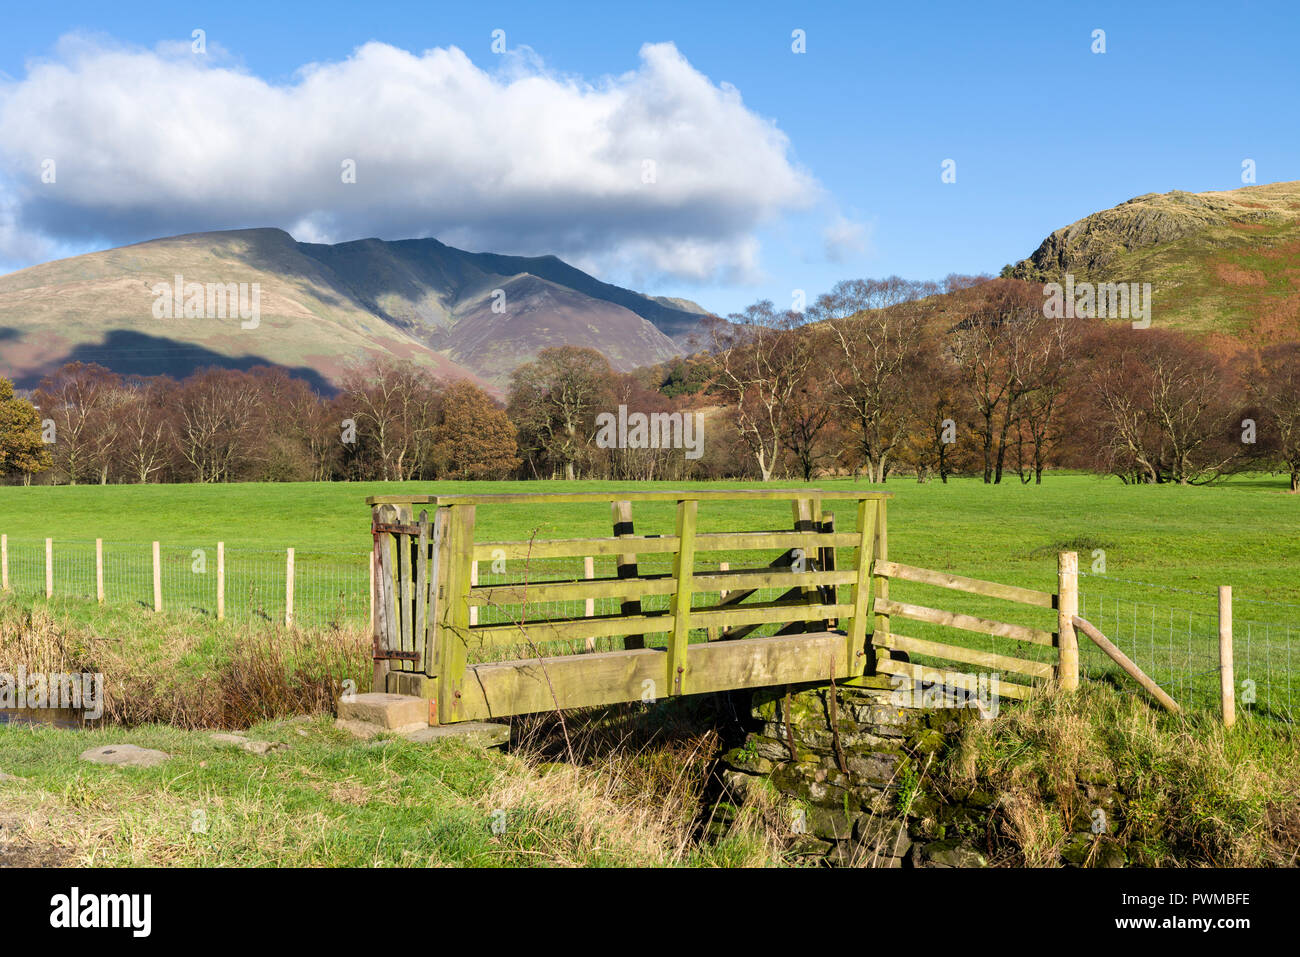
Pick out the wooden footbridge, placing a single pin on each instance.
(493, 628)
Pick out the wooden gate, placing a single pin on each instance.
(579, 622)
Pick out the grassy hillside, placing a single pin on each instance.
(323, 306)
(1226, 263)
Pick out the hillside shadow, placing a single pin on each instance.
(136, 353)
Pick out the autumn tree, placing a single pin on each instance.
(21, 448)
(554, 401)
(1275, 386)
(474, 438)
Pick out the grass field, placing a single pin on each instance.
(1185, 541)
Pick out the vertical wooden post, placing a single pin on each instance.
(439, 564)
(473, 580)
(4, 562)
(157, 577)
(49, 568)
(379, 599)
(713, 631)
(589, 573)
(453, 650)
(1227, 681)
(683, 572)
(288, 589)
(804, 510)
(1067, 607)
(420, 638)
(627, 568)
(880, 553)
(99, 570)
(855, 645)
(370, 563)
(221, 581)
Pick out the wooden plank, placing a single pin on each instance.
(650, 585)
(954, 679)
(498, 689)
(699, 495)
(627, 566)
(951, 619)
(1123, 660)
(856, 632)
(418, 638)
(1227, 682)
(453, 651)
(680, 607)
(661, 544)
(880, 583)
(382, 612)
(437, 584)
(968, 656)
(927, 576)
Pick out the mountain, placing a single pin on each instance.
(1226, 263)
(322, 307)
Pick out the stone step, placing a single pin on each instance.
(366, 715)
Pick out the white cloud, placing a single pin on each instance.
(842, 239)
(521, 160)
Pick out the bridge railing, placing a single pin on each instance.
(686, 621)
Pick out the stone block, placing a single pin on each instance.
(387, 712)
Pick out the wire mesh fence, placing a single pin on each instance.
(1173, 636)
(330, 588)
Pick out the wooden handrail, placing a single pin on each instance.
(697, 495)
(1126, 663)
(926, 576)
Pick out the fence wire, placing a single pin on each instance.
(1175, 640)
(331, 588)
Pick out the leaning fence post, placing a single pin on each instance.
(99, 570)
(157, 577)
(1067, 606)
(49, 568)
(1227, 685)
(288, 589)
(221, 581)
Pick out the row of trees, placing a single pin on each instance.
(876, 378)
(392, 420)
(996, 387)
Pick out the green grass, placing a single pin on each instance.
(1187, 540)
(325, 799)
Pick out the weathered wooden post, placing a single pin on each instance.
(157, 577)
(1067, 607)
(627, 568)
(49, 568)
(880, 583)
(453, 652)
(370, 562)
(1227, 681)
(99, 570)
(473, 580)
(4, 562)
(221, 581)
(680, 610)
(589, 573)
(288, 589)
(855, 648)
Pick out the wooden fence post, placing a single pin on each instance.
(453, 648)
(855, 644)
(473, 580)
(288, 589)
(880, 583)
(221, 581)
(589, 573)
(157, 577)
(4, 562)
(627, 568)
(99, 570)
(49, 568)
(370, 561)
(1067, 607)
(683, 571)
(1227, 682)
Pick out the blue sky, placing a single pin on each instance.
(1042, 129)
